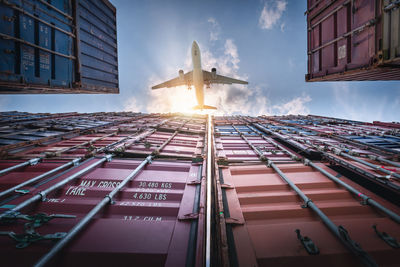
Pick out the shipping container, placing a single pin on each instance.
(146, 210)
(147, 224)
(353, 40)
(20, 133)
(276, 211)
(371, 163)
(52, 47)
(266, 223)
(131, 189)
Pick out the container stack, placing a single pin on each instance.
(126, 188)
(284, 201)
(116, 188)
(58, 47)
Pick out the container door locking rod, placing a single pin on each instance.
(377, 158)
(340, 152)
(367, 200)
(376, 167)
(83, 144)
(42, 195)
(37, 178)
(75, 161)
(339, 231)
(23, 164)
(108, 199)
(137, 138)
(292, 155)
(380, 159)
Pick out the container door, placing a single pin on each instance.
(98, 46)
(7, 47)
(36, 47)
(343, 36)
(391, 42)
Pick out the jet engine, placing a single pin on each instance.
(181, 75)
(214, 73)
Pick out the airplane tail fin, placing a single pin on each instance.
(204, 107)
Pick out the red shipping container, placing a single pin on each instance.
(352, 40)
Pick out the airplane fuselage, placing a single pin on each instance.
(198, 80)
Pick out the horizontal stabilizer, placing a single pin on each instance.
(204, 107)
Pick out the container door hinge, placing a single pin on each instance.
(227, 186)
(194, 182)
(189, 216)
(235, 221)
(197, 160)
(223, 162)
(307, 243)
(390, 240)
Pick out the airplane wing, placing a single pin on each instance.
(208, 77)
(176, 81)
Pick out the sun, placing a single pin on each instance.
(176, 99)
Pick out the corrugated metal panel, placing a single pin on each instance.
(98, 46)
(172, 190)
(262, 214)
(82, 146)
(68, 46)
(375, 158)
(352, 40)
(387, 124)
(145, 225)
(157, 219)
(260, 210)
(21, 133)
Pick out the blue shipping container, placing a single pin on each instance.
(58, 46)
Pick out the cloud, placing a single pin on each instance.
(271, 14)
(295, 106)
(131, 104)
(215, 29)
(232, 53)
(229, 99)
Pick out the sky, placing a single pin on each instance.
(261, 41)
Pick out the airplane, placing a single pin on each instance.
(198, 78)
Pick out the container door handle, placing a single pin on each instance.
(308, 244)
(390, 240)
